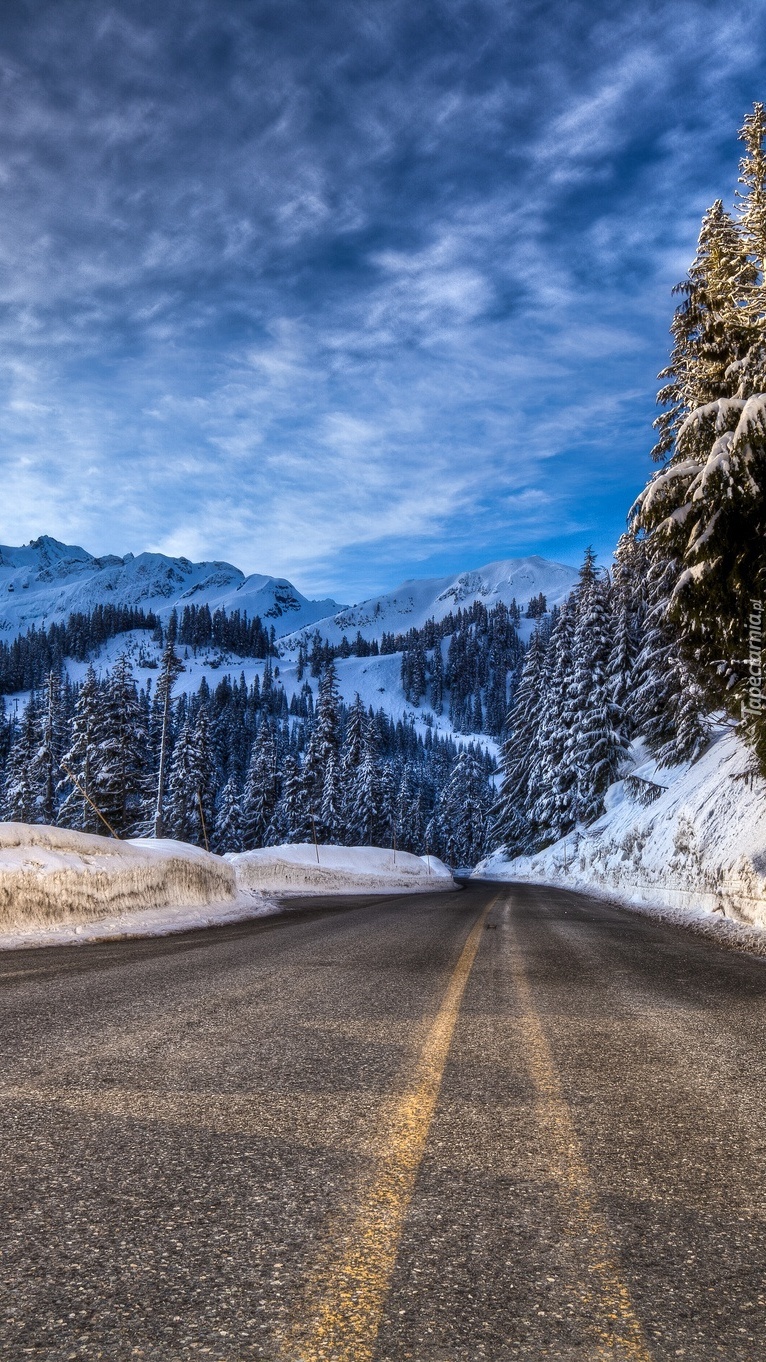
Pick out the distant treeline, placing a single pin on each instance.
(233, 633)
(29, 659)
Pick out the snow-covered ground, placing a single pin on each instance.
(697, 850)
(60, 888)
(304, 868)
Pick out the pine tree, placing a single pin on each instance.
(437, 679)
(460, 823)
(46, 762)
(170, 670)
(331, 822)
(511, 820)
(364, 812)
(228, 832)
(19, 803)
(410, 825)
(81, 760)
(189, 814)
(291, 822)
(704, 513)
(119, 776)
(551, 781)
(259, 799)
(599, 743)
(325, 739)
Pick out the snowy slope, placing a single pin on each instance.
(377, 680)
(699, 847)
(45, 581)
(409, 606)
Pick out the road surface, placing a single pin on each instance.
(504, 1123)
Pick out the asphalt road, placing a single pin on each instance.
(384, 1131)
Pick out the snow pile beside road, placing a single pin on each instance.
(51, 875)
(699, 846)
(302, 867)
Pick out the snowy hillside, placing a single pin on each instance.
(699, 844)
(377, 680)
(46, 581)
(419, 599)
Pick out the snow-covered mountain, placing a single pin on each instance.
(419, 599)
(45, 581)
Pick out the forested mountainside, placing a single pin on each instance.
(408, 778)
(239, 766)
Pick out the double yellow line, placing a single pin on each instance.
(350, 1292)
(345, 1299)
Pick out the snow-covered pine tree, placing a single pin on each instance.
(291, 822)
(170, 669)
(189, 814)
(388, 793)
(19, 804)
(710, 332)
(45, 773)
(629, 603)
(81, 759)
(179, 817)
(667, 704)
(552, 784)
(261, 792)
(511, 812)
(704, 512)
(460, 821)
(120, 766)
(352, 750)
(325, 738)
(208, 776)
(410, 827)
(437, 679)
(330, 825)
(228, 832)
(599, 740)
(363, 814)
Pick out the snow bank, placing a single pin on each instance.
(51, 875)
(698, 848)
(301, 867)
(60, 888)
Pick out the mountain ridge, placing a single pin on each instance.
(417, 599)
(61, 579)
(45, 581)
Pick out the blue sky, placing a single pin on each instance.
(343, 291)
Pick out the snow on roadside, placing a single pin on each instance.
(302, 868)
(59, 887)
(147, 922)
(50, 874)
(696, 854)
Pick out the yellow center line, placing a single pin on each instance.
(619, 1333)
(345, 1299)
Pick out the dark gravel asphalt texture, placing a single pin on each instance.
(189, 1126)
